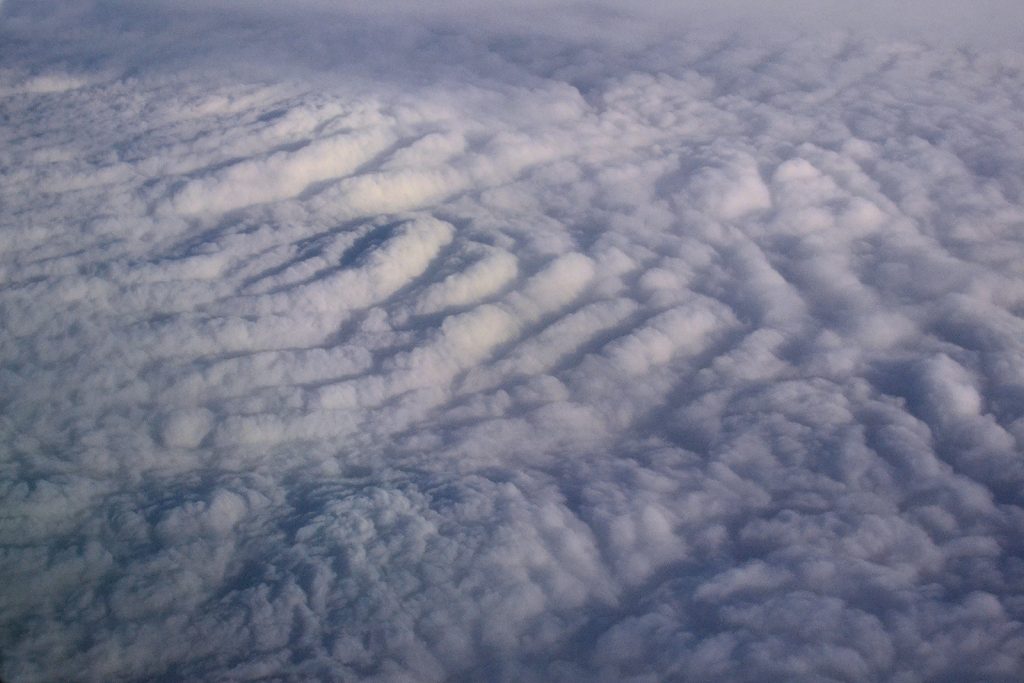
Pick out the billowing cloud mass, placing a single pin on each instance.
(575, 345)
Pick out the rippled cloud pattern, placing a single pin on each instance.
(373, 346)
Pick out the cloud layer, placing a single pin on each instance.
(338, 347)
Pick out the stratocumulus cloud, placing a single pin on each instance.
(444, 344)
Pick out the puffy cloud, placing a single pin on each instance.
(280, 175)
(412, 343)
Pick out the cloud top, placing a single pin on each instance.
(406, 343)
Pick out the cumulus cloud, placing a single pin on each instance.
(407, 343)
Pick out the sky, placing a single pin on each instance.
(575, 343)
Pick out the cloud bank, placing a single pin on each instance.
(434, 345)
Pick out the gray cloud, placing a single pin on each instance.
(397, 344)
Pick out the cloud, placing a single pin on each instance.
(407, 343)
(280, 175)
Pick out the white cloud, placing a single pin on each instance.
(280, 175)
(411, 343)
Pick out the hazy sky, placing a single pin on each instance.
(575, 343)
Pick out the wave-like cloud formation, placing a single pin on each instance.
(335, 348)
